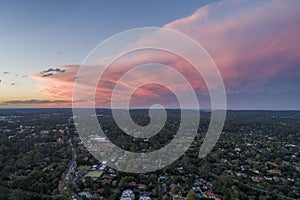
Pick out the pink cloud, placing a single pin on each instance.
(255, 42)
(252, 43)
(58, 85)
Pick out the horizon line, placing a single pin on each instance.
(142, 108)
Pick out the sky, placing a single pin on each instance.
(254, 44)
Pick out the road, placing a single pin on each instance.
(71, 168)
(160, 189)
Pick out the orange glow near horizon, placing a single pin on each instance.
(254, 51)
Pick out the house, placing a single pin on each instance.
(59, 140)
(209, 184)
(44, 132)
(132, 184)
(274, 171)
(142, 187)
(96, 196)
(276, 179)
(291, 179)
(251, 197)
(196, 188)
(256, 179)
(237, 149)
(95, 167)
(145, 197)
(229, 172)
(284, 180)
(210, 195)
(80, 173)
(106, 181)
(239, 174)
(178, 197)
(180, 170)
(85, 194)
(271, 164)
(255, 171)
(127, 195)
(268, 178)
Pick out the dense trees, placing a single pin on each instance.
(32, 162)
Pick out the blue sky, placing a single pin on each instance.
(36, 35)
(254, 44)
(51, 33)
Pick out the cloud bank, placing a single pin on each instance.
(44, 103)
(255, 45)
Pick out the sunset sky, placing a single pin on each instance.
(255, 45)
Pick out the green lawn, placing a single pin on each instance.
(86, 167)
(93, 174)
